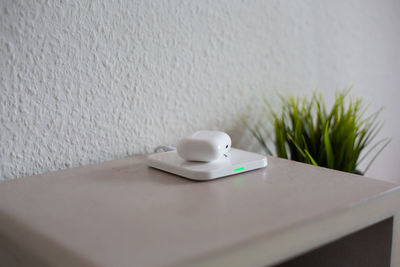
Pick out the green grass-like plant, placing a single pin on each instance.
(306, 131)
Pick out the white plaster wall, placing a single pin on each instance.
(87, 81)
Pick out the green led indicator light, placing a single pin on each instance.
(238, 169)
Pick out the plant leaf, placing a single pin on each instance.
(328, 148)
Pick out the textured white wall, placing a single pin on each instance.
(87, 81)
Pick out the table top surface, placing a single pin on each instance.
(123, 213)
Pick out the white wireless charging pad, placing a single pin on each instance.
(236, 161)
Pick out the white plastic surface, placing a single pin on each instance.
(204, 146)
(237, 161)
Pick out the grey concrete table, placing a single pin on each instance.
(122, 213)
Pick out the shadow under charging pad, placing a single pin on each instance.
(236, 161)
